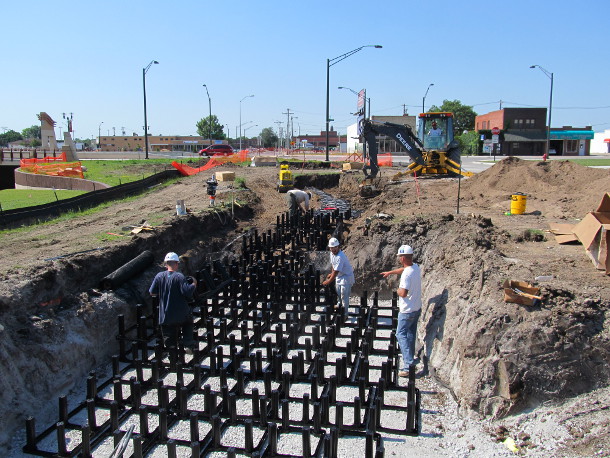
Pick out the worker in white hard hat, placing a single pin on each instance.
(342, 274)
(298, 201)
(174, 290)
(409, 304)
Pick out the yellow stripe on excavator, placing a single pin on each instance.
(450, 166)
(456, 168)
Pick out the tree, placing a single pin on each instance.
(9, 136)
(31, 132)
(217, 128)
(268, 137)
(469, 142)
(463, 115)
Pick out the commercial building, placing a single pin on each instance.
(186, 143)
(384, 144)
(319, 141)
(523, 132)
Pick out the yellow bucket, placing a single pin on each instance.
(517, 203)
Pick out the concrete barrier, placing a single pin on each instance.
(33, 180)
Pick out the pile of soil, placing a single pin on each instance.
(497, 358)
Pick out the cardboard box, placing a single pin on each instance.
(592, 232)
(520, 292)
(564, 233)
(225, 176)
(353, 165)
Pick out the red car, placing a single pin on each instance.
(222, 150)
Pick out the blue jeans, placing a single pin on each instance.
(343, 292)
(406, 333)
(172, 332)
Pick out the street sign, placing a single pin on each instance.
(487, 146)
(495, 139)
(495, 131)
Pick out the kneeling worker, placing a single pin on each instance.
(297, 200)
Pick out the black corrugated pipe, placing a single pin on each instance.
(127, 271)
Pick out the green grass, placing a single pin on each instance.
(594, 162)
(19, 198)
(114, 173)
(240, 182)
(154, 218)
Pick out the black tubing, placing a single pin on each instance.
(127, 271)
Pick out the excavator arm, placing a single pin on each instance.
(401, 133)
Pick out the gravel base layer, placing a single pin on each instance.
(444, 432)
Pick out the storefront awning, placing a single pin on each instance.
(525, 137)
(572, 135)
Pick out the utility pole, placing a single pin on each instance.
(278, 133)
(292, 118)
(287, 127)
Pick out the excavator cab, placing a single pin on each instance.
(436, 130)
(440, 152)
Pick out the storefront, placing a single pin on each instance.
(571, 142)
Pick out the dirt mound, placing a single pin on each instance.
(558, 188)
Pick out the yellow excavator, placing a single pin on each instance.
(433, 151)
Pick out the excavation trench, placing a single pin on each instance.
(495, 357)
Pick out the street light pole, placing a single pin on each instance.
(246, 129)
(210, 118)
(330, 63)
(548, 132)
(423, 103)
(240, 118)
(99, 135)
(144, 70)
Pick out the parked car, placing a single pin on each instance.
(222, 150)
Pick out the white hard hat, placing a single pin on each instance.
(171, 257)
(333, 242)
(404, 249)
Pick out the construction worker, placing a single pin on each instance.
(435, 131)
(342, 274)
(174, 290)
(409, 304)
(297, 201)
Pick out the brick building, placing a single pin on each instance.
(523, 132)
(319, 141)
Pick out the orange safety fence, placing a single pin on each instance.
(215, 160)
(384, 160)
(67, 169)
(44, 160)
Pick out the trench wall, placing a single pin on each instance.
(496, 357)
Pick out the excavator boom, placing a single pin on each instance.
(426, 161)
(401, 133)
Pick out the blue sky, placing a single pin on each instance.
(86, 58)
